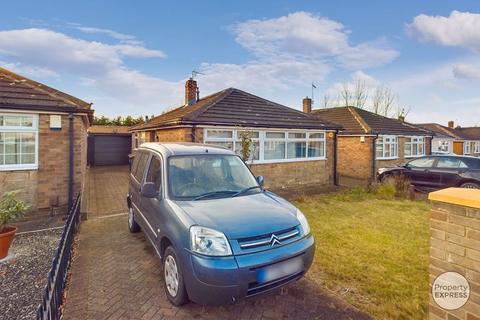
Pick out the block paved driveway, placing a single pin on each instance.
(117, 275)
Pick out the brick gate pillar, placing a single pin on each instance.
(455, 246)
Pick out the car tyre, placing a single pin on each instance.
(173, 278)
(470, 185)
(133, 226)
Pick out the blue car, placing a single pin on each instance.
(219, 234)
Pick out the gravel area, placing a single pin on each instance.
(23, 273)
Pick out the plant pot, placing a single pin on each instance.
(6, 238)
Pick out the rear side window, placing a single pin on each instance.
(450, 163)
(422, 163)
(139, 165)
(154, 173)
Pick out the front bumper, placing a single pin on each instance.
(221, 280)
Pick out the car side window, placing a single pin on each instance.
(140, 166)
(422, 163)
(448, 163)
(154, 173)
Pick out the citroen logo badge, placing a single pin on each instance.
(274, 240)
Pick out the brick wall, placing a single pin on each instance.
(355, 159)
(354, 164)
(455, 246)
(50, 181)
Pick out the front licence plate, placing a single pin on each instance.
(279, 270)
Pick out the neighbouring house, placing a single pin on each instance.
(445, 140)
(471, 136)
(108, 145)
(43, 143)
(370, 141)
(289, 148)
(457, 140)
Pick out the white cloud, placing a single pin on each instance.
(122, 37)
(302, 35)
(40, 53)
(261, 76)
(466, 71)
(459, 29)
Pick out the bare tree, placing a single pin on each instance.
(383, 100)
(360, 94)
(346, 94)
(326, 102)
(377, 99)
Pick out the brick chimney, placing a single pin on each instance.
(451, 124)
(307, 105)
(191, 92)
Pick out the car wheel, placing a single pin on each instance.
(132, 224)
(173, 278)
(470, 185)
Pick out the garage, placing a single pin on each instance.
(108, 145)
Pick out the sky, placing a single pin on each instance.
(133, 57)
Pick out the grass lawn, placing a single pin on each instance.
(372, 252)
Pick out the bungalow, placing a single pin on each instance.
(471, 136)
(289, 148)
(370, 141)
(451, 139)
(43, 143)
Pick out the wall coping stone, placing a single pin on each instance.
(458, 196)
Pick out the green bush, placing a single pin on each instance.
(11, 209)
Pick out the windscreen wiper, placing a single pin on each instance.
(214, 193)
(245, 190)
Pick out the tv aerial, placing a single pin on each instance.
(196, 73)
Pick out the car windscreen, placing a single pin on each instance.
(195, 176)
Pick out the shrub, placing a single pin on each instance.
(11, 209)
(393, 186)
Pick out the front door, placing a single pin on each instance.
(458, 147)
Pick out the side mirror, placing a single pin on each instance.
(261, 180)
(148, 190)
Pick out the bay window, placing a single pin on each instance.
(386, 147)
(271, 145)
(414, 146)
(18, 141)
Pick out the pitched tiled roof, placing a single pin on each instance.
(360, 121)
(438, 130)
(469, 133)
(106, 129)
(19, 92)
(234, 107)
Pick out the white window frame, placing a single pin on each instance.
(262, 138)
(477, 147)
(383, 143)
(467, 147)
(32, 129)
(415, 142)
(444, 143)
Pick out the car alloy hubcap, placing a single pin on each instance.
(130, 217)
(470, 186)
(171, 276)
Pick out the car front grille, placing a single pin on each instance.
(270, 240)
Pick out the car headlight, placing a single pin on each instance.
(303, 222)
(209, 242)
